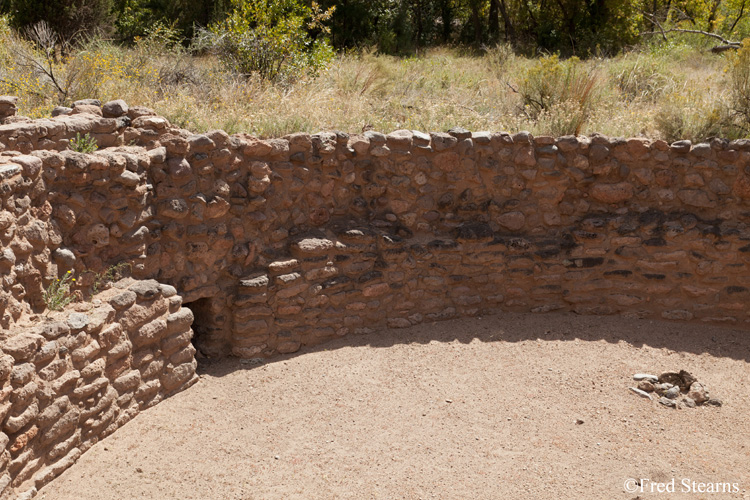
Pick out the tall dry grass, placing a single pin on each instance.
(665, 92)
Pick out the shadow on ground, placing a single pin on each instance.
(521, 327)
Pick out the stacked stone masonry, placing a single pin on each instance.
(279, 243)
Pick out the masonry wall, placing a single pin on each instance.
(286, 242)
(275, 244)
(73, 378)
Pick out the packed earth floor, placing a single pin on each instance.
(508, 406)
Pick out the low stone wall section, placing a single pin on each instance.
(71, 379)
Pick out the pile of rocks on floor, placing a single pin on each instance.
(675, 390)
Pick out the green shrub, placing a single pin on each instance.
(271, 39)
(83, 143)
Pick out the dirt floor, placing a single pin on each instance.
(486, 408)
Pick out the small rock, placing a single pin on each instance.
(61, 110)
(145, 289)
(65, 257)
(78, 321)
(662, 388)
(645, 376)
(641, 393)
(646, 385)
(579, 421)
(88, 102)
(713, 402)
(687, 401)
(114, 109)
(668, 402)
(672, 393)
(698, 393)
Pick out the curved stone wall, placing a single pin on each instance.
(284, 242)
(275, 244)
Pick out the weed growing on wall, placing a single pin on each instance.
(83, 143)
(104, 279)
(58, 293)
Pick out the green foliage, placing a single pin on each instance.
(273, 39)
(58, 293)
(68, 19)
(551, 87)
(139, 18)
(83, 143)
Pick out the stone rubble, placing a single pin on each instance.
(674, 389)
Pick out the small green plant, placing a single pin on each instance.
(83, 143)
(112, 273)
(58, 294)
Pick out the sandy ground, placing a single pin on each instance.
(471, 409)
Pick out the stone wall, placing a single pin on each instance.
(284, 242)
(275, 244)
(73, 378)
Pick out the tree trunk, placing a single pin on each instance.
(510, 30)
(477, 22)
(493, 22)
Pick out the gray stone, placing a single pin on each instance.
(78, 321)
(8, 171)
(146, 289)
(88, 102)
(687, 401)
(681, 146)
(123, 300)
(65, 258)
(115, 109)
(441, 142)
(460, 133)
(128, 178)
(167, 290)
(641, 393)
(7, 257)
(61, 110)
(375, 138)
(645, 376)
(713, 402)
(672, 393)
(668, 402)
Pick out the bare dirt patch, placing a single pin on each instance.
(483, 408)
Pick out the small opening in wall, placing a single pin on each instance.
(201, 324)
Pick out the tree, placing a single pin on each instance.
(69, 19)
